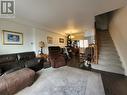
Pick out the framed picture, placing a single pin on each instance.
(61, 40)
(49, 40)
(12, 38)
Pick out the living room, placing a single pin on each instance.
(43, 46)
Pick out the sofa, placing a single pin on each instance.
(11, 83)
(18, 71)
(23, 60)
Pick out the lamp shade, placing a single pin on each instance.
(41, 44)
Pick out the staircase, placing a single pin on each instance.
(109, 59)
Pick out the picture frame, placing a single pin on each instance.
(49, 40)
(61, 40)
(12, 38)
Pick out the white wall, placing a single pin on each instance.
(31, 38)
(41, 35)
(27, 37)
(118, 31)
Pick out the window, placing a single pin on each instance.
(83, 43)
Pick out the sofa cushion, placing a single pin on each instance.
(7, 62)
(3, 86)
(0, 72)
(8, 58)
(7, 66)
(12, 70)
(26, 56)
(57, 60)
(54, 49)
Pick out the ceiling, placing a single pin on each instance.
(63, 16)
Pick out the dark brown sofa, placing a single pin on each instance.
(18, 71)
(25, 59)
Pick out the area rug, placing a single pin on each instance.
(65, 81)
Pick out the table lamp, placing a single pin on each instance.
(41, 45)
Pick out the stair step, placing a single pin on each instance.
(110, 61)
(110, 64)
(100, 32)
(107, 49)
(113, 69)
(105, 53)
(106, 42)
(109, 56)
(107, 45)
(105, 38)
(108, 53)
(104, 34)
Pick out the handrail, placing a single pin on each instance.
(96, 46)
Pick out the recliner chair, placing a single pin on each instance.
(56, 58)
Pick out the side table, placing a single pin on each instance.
(46, 64)
(45, 56)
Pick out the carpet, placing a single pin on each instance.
(65, 81)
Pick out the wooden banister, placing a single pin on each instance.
(96, 46)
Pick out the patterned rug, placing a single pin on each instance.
(65, 81)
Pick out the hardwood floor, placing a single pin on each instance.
(114, 84)
(74, 62)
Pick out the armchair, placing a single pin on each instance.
(56, 58)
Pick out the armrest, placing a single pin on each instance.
(17, 81)
(12, 70)
(0, 71)
(34, 64)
